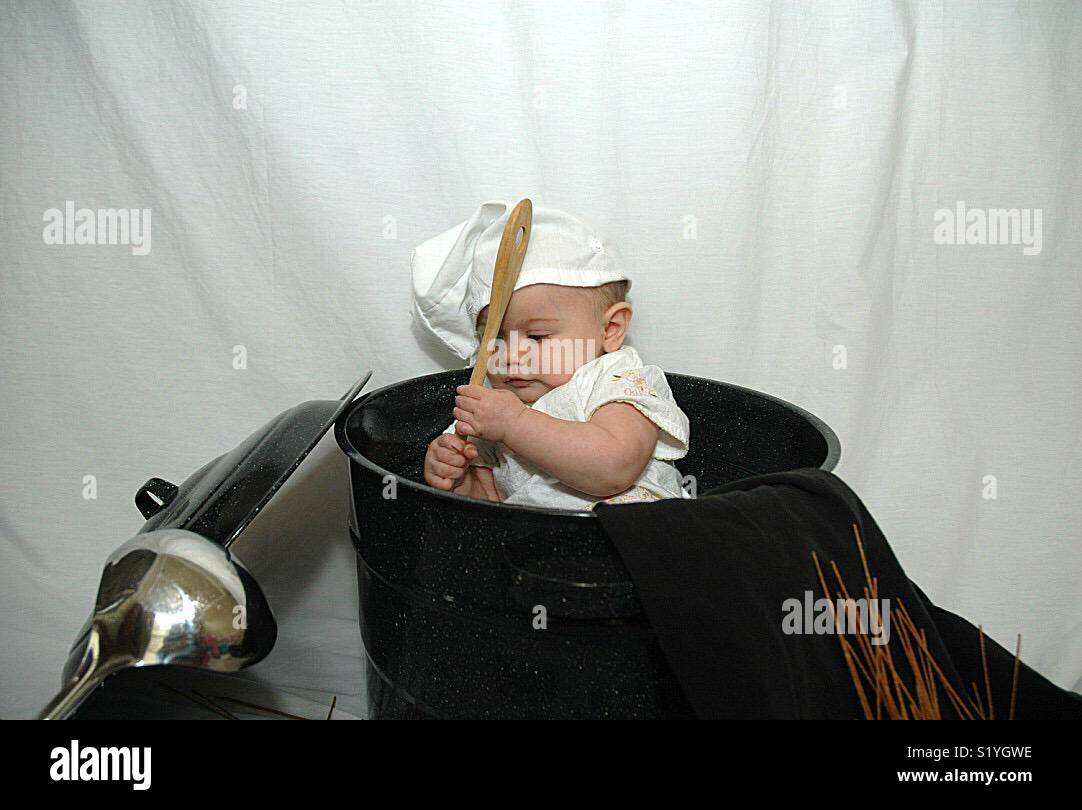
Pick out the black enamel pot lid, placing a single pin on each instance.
(222, 498)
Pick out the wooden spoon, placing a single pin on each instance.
(508, 264)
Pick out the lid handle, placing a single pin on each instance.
(154, 496)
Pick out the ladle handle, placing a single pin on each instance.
(508, 264)
(91, 673)
(71, 697)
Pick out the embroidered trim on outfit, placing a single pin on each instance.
(634, 495)
(637, 383)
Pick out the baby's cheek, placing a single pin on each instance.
(555, 380)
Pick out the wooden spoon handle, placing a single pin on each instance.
(508, 264)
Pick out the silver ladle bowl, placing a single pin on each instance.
(168, 597)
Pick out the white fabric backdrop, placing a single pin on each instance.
(770, 169)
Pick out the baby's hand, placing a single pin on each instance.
(485, 412)
(447, 462)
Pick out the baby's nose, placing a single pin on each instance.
(505, 359)
(520, 351)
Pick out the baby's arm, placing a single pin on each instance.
(602, 457)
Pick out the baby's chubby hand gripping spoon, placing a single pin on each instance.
(516, 235)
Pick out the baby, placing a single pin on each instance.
(573, 417)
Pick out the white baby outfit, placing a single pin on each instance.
(618, 376)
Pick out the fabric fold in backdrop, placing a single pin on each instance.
(714, 572)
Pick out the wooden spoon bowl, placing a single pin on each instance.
(516, 236)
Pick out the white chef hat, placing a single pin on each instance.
(452, 272)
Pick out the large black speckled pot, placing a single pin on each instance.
(449, 585)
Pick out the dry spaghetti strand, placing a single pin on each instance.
(875, 663)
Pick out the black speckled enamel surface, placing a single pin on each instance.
(449, 584)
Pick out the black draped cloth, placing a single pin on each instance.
(714, 573)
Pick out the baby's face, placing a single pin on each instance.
(549, 331)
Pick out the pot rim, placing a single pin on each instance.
(347, 447)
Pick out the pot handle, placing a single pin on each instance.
(154, 496)
(568, 593)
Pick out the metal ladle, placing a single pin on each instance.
(167, 597)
